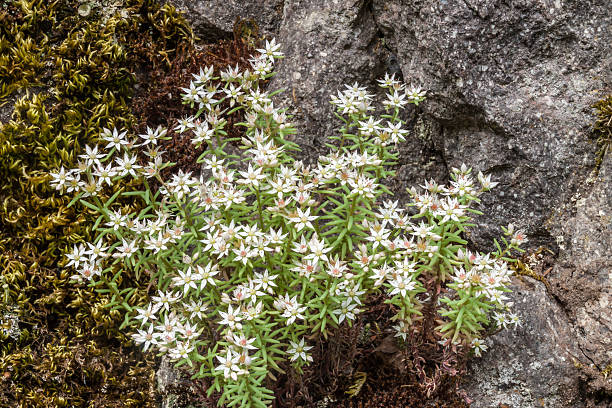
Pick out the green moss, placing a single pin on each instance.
(602, 128)
(68, 77)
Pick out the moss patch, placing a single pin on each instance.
(67, 76)
(602, 128)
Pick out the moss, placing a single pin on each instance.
(523, 266)
(607, 371)
(602, 128)
(67, 76)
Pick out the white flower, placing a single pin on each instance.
(298, 350)
(229, 365)
(233, 93)
(485, 181)
(292, 309)
(395, 100)
(164, 299)
(518, 238)
(462, 186)
(76, 256)
(251, 176)
(306, 267)
(204, 76)
(501, 319)
(114, 138)
(189, 331)
(180, 184)
(185, 279)
(452, 210)
(401, 285)
(378, 235)
(181, 350)
(363, 186)
(243, 253)
(213, 164)
(88, 271)
(318, 249)
(157, 244)
(336, 268)
(243, 342)
(60, 178)
(380, 275)
(462, 278)
(146, 337)
(402, 330)
(116, 220)
(152, 136)
(230, 231)
(352, 292)
(271, 50)
(97, 251)
(147, 314)
(105, 174)
(184, 124)
(169, 327)
(276, 237)
(231, 318)
(231, 74)
(265, 281)
(347, 311)
(302, 219)
(415, 95)
(126, 249)
(370, 127)
(423, 230)
(478, 346)
(514, 319)
(202, 133)
(127, 165)
(388, 81)
(197, 309)
(206, 273)
(92, 156)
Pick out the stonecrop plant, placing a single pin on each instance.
(260, 253)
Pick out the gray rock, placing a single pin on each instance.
(6, 110)
(326, 46)
(510, 87)
(214, 19)
(532, 365)
(511, 84)
(582, 278)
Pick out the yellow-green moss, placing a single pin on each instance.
(602, 128)
(67, 76)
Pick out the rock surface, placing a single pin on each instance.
(531, 366)
(214, 19)
(582, 277)
(510, 85)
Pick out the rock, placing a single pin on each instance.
(176, 389)
(214, 19)
(532, 365)
(326, 46)
(511, 84)
(510, 87)
(6, 110)
(582, 278)
(167, 379)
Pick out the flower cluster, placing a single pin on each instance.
(260, 251)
